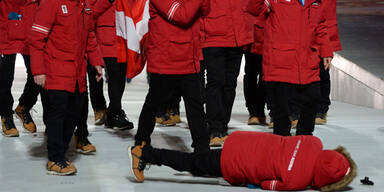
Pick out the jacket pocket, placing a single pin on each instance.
(15, 30)
(283, 56)
(180, 48)
(314, 13)
(215, 24)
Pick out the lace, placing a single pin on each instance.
(26, 116)
(62, 164)
(9, 123)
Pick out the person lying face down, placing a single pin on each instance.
(271, 161)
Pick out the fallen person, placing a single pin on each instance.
(274, 162)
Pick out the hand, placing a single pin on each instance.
(327, 62)
(99, 71)
(40, 80)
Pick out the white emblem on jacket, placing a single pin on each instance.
(64, 9)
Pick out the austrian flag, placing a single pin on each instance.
(132, 27)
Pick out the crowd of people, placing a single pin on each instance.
(194, 52)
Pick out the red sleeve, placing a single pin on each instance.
(277, 185)
(322, 38)
(100, 7)
(93, 51)
(178, 11)
(258, 7)
(44, 19)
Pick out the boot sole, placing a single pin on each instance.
(14, 135)
(120, 128)
(131, 174)
(89, 152)
(101, 121)
(61, 174)
(18, 117)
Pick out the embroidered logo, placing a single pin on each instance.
(64, 9)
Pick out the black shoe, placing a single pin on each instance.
(118, 121)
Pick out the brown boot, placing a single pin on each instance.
(253, 120)
(84, 146)
(216, 142)
(165, 120)
(26, 119)
(321, 119)
(136, 165)
(61, 168)
(100, 117)
(174, 114)
(8, 127)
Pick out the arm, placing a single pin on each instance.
(258, 7)
(277, 185)
(94, 55)
(101, 6)
(180, 12)
(41, 28)
(322, 39)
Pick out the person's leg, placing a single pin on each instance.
(279, 94)
(7, 72)
(324, 101)
(309, 95)
(215, 63)
(57, 104)
(232, 69)
(261, 89)
(160, 90)
(28, 98)
(202, 80)
(250, 83)
(96, 93)
(190, 90)
(174, 104)
(205, 163)
(116, 117)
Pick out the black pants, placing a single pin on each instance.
(200, 164)
(95, 89)
(7, 72)
(63, 113)
(161, 88)
(254, 86)
(223, 67)
(82, 125)
(31, 90)
(280, 94)
(325, 89)
(116, 83)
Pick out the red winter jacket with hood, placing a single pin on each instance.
(227, 25)
(62, 38)
(104, 13)
(294, 37)
(173, 44)
(280, 163)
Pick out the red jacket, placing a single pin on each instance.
(104, 12)
(173, 44)
(29, 12)
(294, 37)
(12, 34)
(258, 28)
(271, 161)
(331, 22)
(60, 38)
(227, 25)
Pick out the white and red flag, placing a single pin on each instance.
(132, 28)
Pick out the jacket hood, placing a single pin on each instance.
(330, 167)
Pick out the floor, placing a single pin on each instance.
(23, 159)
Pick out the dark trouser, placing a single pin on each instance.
(200, 164)
(95, 89)
(280, 94)
(203, 67)
(161, 88)
(325, 89)
(63, 113)
(31, 89)
(82, 125)
(7, 72)
(223, 67)
(254, 86)
(116, 83)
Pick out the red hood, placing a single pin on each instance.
(330, 167)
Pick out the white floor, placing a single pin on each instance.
(23, 159)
